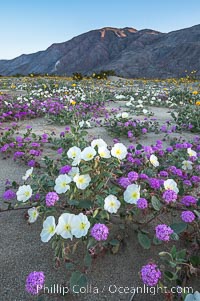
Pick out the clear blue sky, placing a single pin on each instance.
(31, 25)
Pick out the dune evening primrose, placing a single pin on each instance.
(187, 165)
(191, 152)
(82, 181)
(27, 174)
(119, 151)
(98, 143)
(104, 152)
(75, 154)
(24, 193)
(111, 204)
(33, 214)
(80, 225)
(88, 153)
(171, 184)
(154, 160)
(35, 282)
(65, 225)
(49, 229)
(132, 194)
(62, 182)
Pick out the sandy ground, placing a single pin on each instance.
(111, 277)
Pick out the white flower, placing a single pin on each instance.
(74, 153)
(73, 172)
(129, 104)
(81, 123)
(88, 124)
(120, 96)
(187, 165)
(64, 226)
(82, 181)
(119, 115)
(191, 152)
(132, 194)
(27, 174)
(88, 153)
(33, 214)
(125, 115)
(145, 111)
(49, 229)
(62, 182)
(104, 152)
(98, 143)
(80, 225)
(111, 204)
(171, 185)
(154, 160)
(119, 151)
(24, 193)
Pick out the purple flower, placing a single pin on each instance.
(163, 232)
(35, 282)
(163, 173)
(187, 216)
(143, 176)
(144, 131)
(133, 176)
(142, 203)
(189, 200)
(18, 154)
(9, 195)
(31, 163)
(150, 274)
(154, 183)
(51, 199)
(59, 151)
(195, 179)
(130, 134)
(187, 182)
(99, 232)
(65, 169)
(169, 196)
(4, 148)
(124, 182)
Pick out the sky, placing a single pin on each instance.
(27, 26)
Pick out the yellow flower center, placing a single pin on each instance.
(135, 195)
(51, 229)
(27, 193)
(67, 227)
(118, 152)
(89, 156)
(82, 226)
(81, 180)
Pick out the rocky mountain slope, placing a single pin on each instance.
(129, 52)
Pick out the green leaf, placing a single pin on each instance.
(69, 266)
(77, 280)
(178, 227)
(114, 242)
(156, 241)
(174, 236)
(85, 204)
(181, 254)
(195, 260)
(169, 275)
(173, 252)
(87, 260)
(156, 203)
(144, 241)
(73, 202)
(139, 147)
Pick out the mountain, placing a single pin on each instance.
(129, 52)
